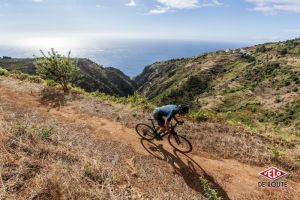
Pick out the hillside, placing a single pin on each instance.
(257, 87)
(93, 77)
(87, 148)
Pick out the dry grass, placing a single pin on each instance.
(47, 158)
(64, 165)
(44, 158)
(217, 138)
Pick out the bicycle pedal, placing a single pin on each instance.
(158, 137)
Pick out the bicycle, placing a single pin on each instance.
(176, 141)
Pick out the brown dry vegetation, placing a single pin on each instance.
(68, 151)
(216, 138)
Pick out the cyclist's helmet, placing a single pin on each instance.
(182, 109)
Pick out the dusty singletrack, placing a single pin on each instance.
(233, 179)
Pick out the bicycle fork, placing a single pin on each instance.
(176, 138)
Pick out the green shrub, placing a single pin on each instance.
(276, 152)
(242, 117)
(136, 100)
(58, 68)
(261, 49)
(283, 51)
(201, 115)
(43, 133)
(271, 67)
(77, 90)
(19, 75)
(35, 79)
(3, 72)
(283, 117)
(50, 83)
(209, 192)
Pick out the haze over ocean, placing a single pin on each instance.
(130, 56)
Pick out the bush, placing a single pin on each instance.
(50, 83)
(271, 67)
(44, 133)
(3, 72)
(6, 57)
(283, 52)
(200, 116)
(136, 100)
(58, 68)
(19, 75)
(261, 49)
(35, 79)
(277, 152)
(77, 90)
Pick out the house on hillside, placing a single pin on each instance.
(239, 51)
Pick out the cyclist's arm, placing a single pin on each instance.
(176, 119)
(180, 120)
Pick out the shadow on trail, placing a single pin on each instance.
(184, 166)
(52, 98)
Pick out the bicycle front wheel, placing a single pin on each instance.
(180, 143)
(145, 131)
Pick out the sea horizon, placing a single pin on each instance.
(129, 56)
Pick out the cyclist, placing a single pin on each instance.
(169, 112)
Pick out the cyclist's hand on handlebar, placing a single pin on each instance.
(180, 122)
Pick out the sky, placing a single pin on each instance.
(65, 21)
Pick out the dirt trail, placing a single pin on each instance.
(235, 180)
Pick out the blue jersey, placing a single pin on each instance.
(167, 111)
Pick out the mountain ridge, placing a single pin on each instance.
(256, 86)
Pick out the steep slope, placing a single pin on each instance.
(109, 80)
(93, 76)
(72, 151)
(256, 86)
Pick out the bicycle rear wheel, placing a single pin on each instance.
(180, 143)
(145, 131)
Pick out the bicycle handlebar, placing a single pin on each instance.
(178, 123)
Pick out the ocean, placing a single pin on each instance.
(130, 56)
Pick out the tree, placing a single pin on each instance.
(58, 68)
(261, 49)
(283, 51)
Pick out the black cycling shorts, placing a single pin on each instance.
(159, 118)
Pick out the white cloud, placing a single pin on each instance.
(131, 3)
(99, 6)
(170, 5)
(274, 6)
(37, 1)
(159, 10)
(179, 4)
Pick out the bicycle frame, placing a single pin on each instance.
(172, 131)
(175, 139)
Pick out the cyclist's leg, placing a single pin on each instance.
(161, 123)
